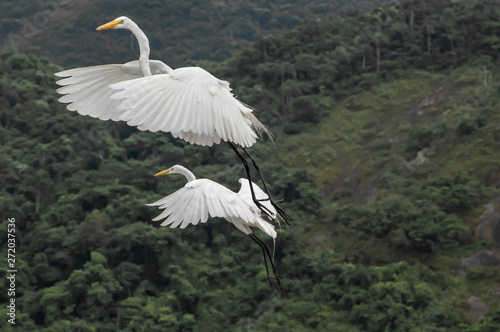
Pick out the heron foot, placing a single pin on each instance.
(282, 213)
(277, 285)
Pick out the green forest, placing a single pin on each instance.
(178, 30)
(385, 151)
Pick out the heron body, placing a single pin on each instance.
(200, 199)
(190, 103)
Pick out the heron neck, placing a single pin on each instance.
(187, 173)
(143, 42)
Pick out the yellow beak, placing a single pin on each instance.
(109, 25)
(163, 172)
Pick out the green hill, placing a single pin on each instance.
(385, 152)
(63, 31)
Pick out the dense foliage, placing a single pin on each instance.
(90, 259)
(327, 59)
(178, 30)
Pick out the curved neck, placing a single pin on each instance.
(187, 173)
(143, 42)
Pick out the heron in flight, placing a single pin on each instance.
(200, 199)
(189, 103)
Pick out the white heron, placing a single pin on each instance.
(200, 199)
(189, 103)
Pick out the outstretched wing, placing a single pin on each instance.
(246, 195)
(198, 200)
(87, 89)
(190, 103)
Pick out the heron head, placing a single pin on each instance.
(122, 22)
(176, 169)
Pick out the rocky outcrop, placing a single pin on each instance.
(482, 258)
(477, 308)
(489, 229)
(421, 111)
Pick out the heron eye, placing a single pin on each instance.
(121, 22)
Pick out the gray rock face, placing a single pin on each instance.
(489, 228)
(422, 110)
(482, 258)
(477, 308)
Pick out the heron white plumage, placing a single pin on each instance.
(200, 199)
(87, 89)
(189, 103)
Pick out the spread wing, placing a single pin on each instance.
(87, 89)
(200, 199)
(190, 103)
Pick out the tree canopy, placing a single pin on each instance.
(385, 153)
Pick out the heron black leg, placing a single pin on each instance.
(280, 211)
(276, 282)
(247, 168)
(264, 246)
(273, 285)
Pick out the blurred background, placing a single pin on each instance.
(385, 116)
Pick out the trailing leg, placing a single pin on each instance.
(276, 282)
(286, 217)
(247, 169)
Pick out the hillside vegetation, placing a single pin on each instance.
(178, 31)
(385, 152)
